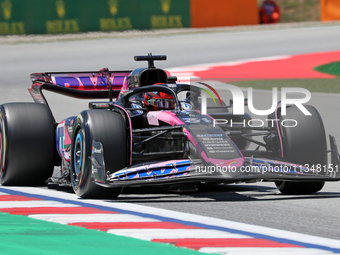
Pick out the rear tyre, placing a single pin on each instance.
(27, 143)
(109, 129)
(303, 144)
(298, 188)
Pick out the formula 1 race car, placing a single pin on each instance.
(151, 130)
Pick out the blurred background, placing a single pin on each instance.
(74, 16)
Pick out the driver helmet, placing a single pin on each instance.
(159, 101)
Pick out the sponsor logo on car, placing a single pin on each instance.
(191, 120)
(186, 106)
(209, 135)
(136, 106)
(95, 150)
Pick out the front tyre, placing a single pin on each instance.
(27, 143)
(109, 129)
(303, 144)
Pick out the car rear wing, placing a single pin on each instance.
(83, 85)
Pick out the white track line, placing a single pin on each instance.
(269, 251)
(97, 217)
(150, 234)
(35, 203)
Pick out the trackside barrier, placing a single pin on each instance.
(72, 16)
(216, 13)
(330, 10)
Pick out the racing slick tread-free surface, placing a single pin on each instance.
(109, 129)
(28, 143)
(303, 144)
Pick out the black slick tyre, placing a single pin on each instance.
(27, 143)
(303, 144)
(109, 129)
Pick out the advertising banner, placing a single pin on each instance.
(330, 10)
(72, 16)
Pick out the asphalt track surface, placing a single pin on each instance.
(259, 204)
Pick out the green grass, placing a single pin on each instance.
(313, 85)
(298, 10)
(331, 68)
